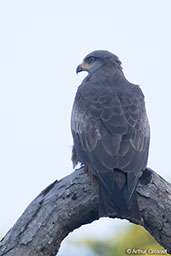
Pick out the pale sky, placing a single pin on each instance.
(41, 44)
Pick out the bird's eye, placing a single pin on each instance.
(90, 60)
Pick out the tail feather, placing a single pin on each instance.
(114, 195)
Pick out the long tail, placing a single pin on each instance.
(114, 196)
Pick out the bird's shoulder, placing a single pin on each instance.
(110, 93)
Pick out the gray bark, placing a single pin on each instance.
(73, 201)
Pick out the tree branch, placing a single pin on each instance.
(73, 201)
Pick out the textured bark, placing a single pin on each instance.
(73, 201)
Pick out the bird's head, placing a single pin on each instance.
(96, 59)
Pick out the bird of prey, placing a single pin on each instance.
(111, 133)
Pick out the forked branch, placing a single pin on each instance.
(73, 201)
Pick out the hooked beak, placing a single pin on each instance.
(83, 67)
(79, 69)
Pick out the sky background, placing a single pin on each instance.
(41, 44)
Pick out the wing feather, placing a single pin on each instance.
(118, 121)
